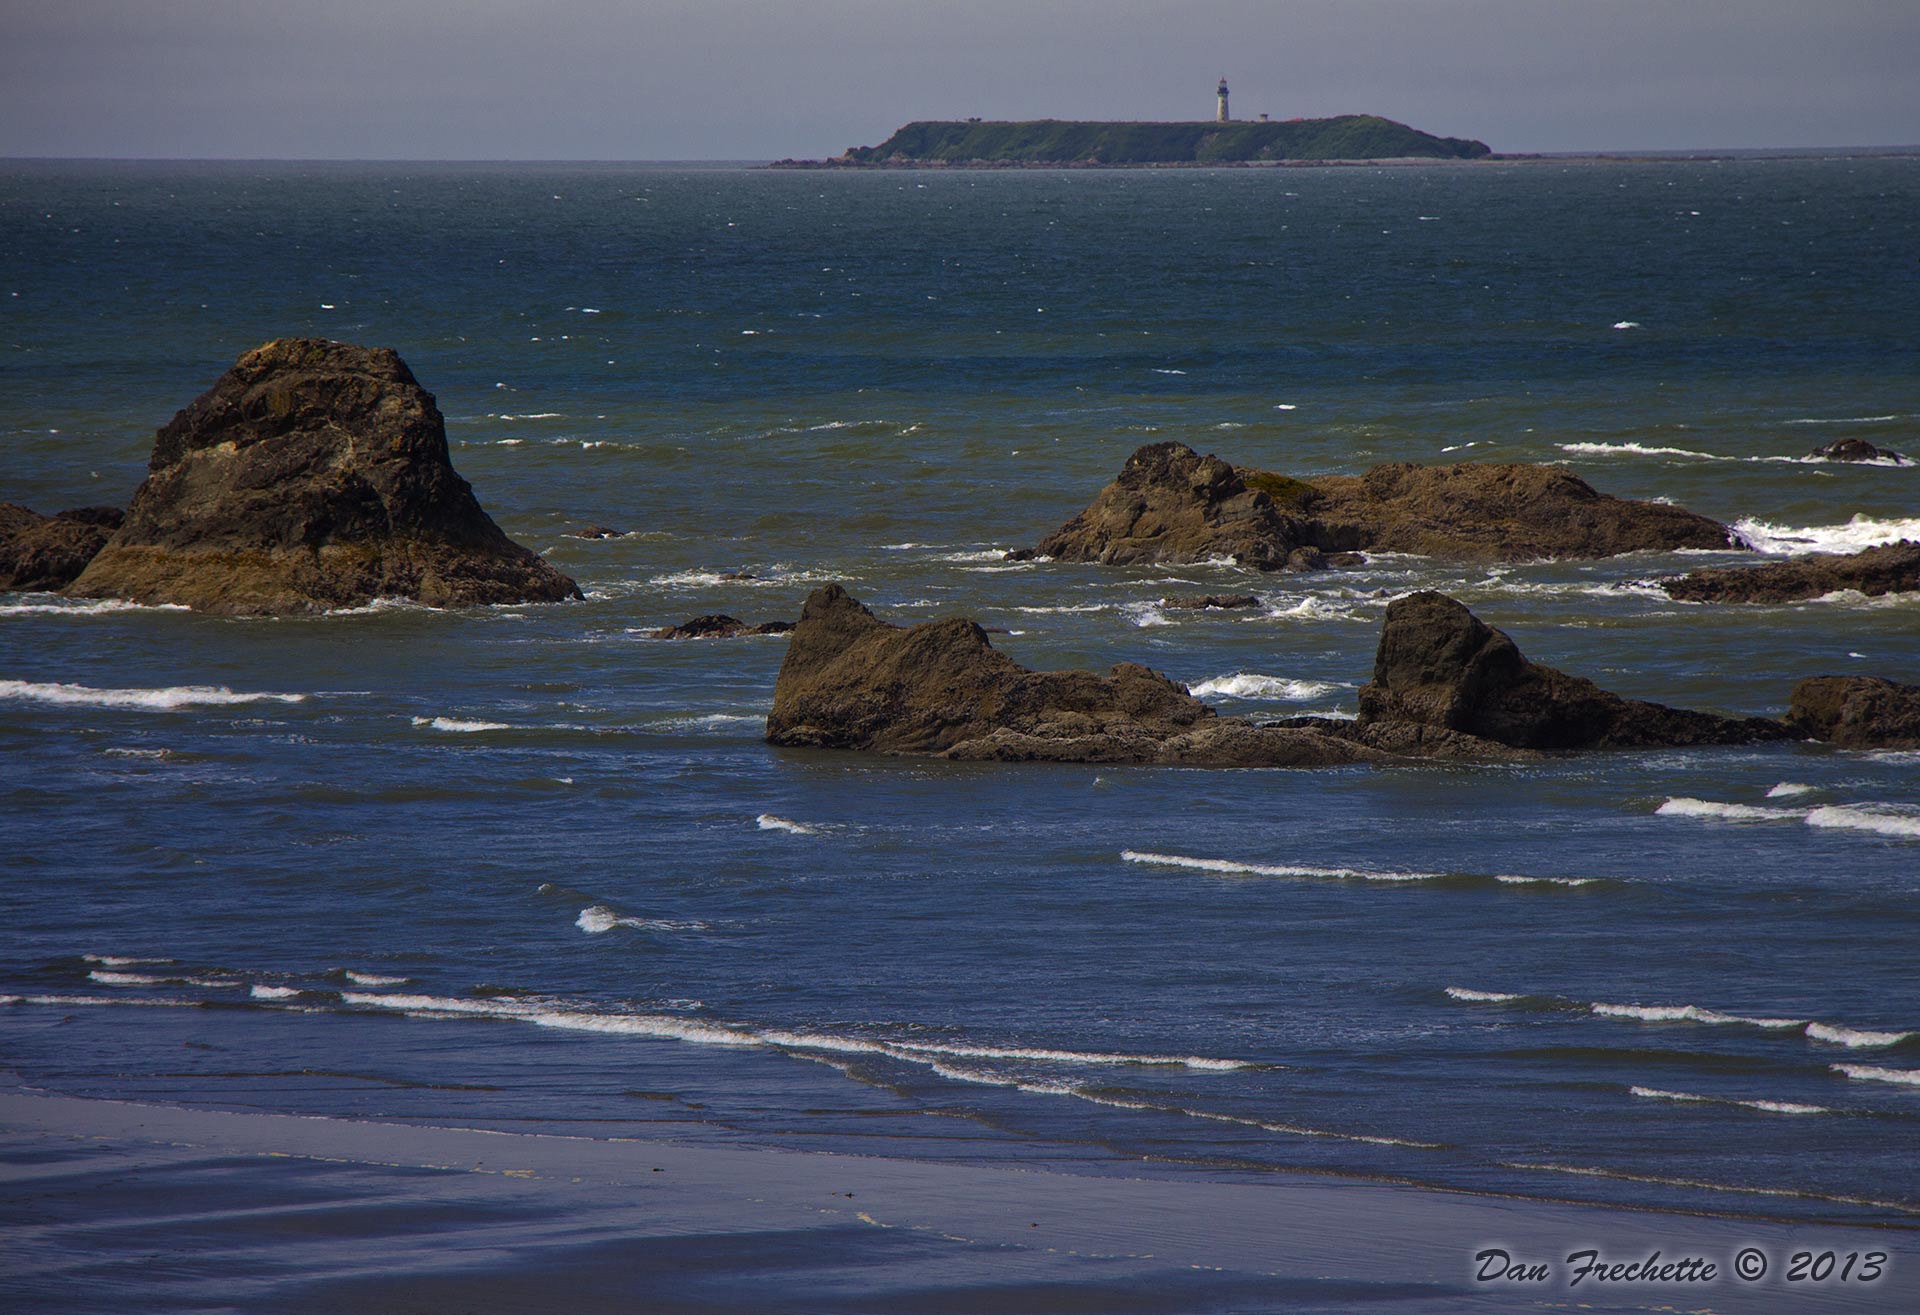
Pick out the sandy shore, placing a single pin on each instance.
(116, 1207)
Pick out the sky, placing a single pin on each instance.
(765, 79)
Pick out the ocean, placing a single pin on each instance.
(528, 869)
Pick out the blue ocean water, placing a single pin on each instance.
(528, 868)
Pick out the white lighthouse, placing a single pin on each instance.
(1223, 116)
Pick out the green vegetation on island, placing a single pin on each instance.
(1066, 141)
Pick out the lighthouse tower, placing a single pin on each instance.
(1224, 116)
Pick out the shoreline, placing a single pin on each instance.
(378, 1216)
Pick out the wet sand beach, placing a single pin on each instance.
(117, 1206)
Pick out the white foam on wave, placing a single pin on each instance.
(1693, 454)
(1638, 450)
(89, 607)
(1841, 420)
(1509, 880)
(1145, 615)
(1793, 540)
(1880, 820)
(107, 978)
(1233, 867)
(712, 721)
(460, 725)
(373, 979)
(1855, 1038)
(1691, 1014)
(1681, 806)
(1626, 324)
(161, 699)
(273, 992)
(668, 1027)
(1253, 685)
(1894, 820)
(768, 822)
(1906, 1077)
(110, 1001)
(597, 919)
(1313, 607)
(1489, 997)
(119, 960)
(1769, 1106)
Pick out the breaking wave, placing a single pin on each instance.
(163, 699)
(1769, 1106)
(460, 725)
(1252, 685)
(1235, 867)
(1856, 534)
(768, 822)
(597, 919)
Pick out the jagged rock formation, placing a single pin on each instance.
(313, 475)
(1856, 449)
(49, 552)
(1889, 569)
(852, 681)
(1445, 686)
(1170, 504)
(1440, 666)
(718, 625)
(1857, 712)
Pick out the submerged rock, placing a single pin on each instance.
(1171, 504)
(1889, 569)
(596, 532)
(1438, 665)
(313, 475)
(1856, 449)
(718, 625)
(853, 681)
(1201, 602)
(49, 552)
(1857, 712)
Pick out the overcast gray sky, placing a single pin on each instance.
(755, 79)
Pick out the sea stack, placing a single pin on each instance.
(853, 681)
(1170, 504)
(1439, 665)
(313, 475)
(49, 552)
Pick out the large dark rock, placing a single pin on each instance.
(1439, 665)
(1857, 449)
(313, 475)
(718, 625)
(50, 552)
(1891, 568)
(1171, 504)
(852, 681)
(1510, 513)
(1857, 712)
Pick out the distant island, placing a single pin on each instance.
(975, 143)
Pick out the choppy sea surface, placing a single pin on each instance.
(527, 868)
